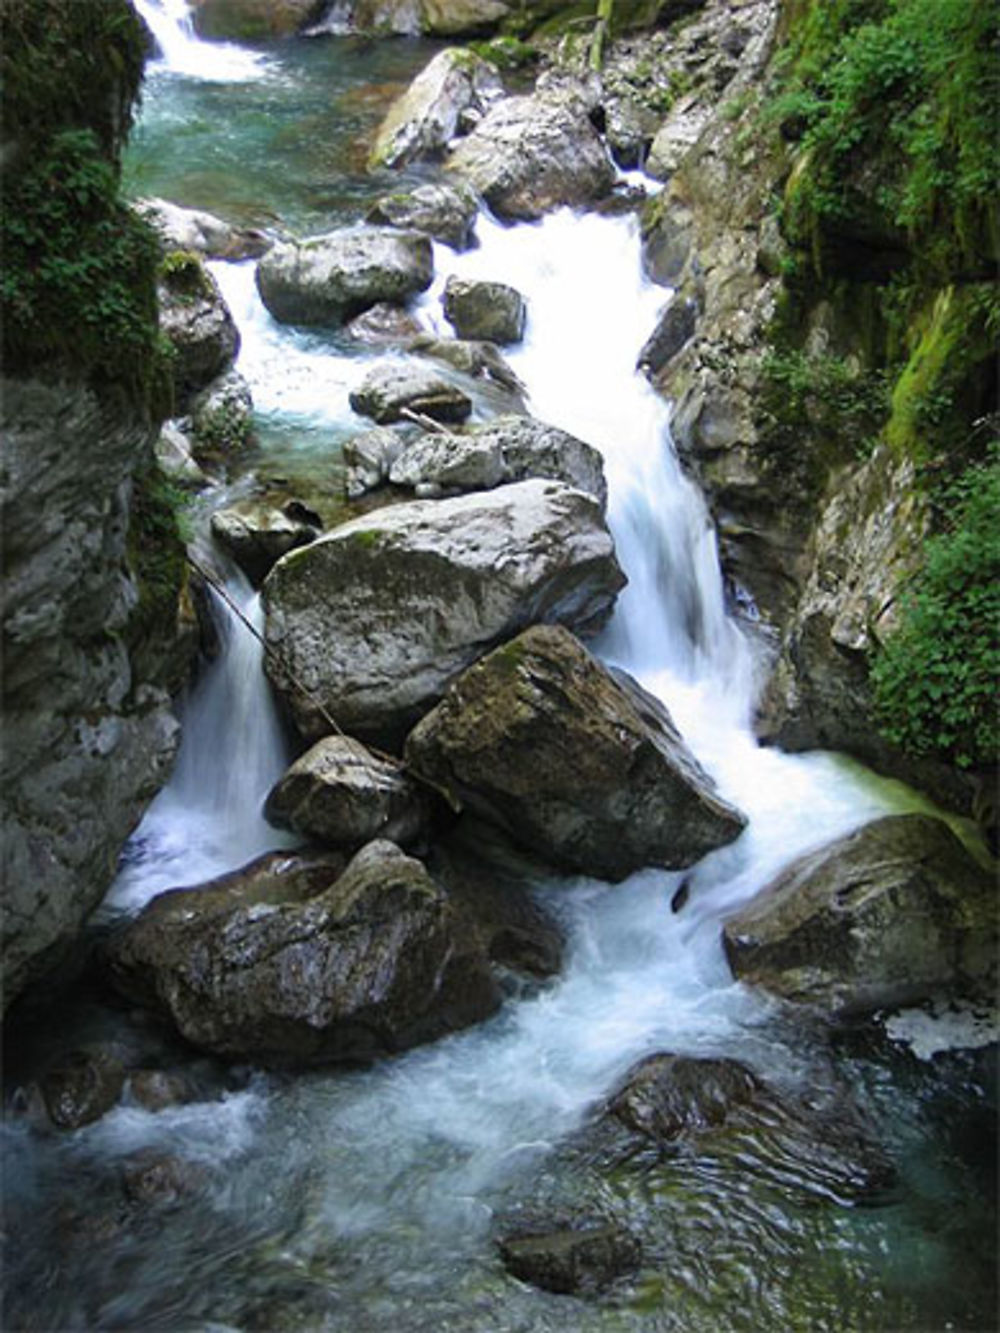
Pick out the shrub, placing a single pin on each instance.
(935, 679)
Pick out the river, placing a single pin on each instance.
(359, 1200)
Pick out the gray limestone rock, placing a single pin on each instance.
(393, 387)
(541, 740)
(445, 212)
(486, 311)
(373, 620)
(328, 279)
(426, 117)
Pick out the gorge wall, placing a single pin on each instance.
(92, 562)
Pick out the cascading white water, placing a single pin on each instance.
(208, 819)
(182, 51)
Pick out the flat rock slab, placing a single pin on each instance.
(372, 621)
(392, 387)
(541, 740)
(291, 961)
(331, 278)
(895, 912)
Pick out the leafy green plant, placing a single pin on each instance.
(935, 679)
(805, 397)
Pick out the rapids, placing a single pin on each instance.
(356, 1200)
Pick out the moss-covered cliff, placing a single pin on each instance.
(87, 737)
(837, 228)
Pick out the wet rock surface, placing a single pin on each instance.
(580, 1259)
(328, 279)
(376, 617)
(427, 116)
(198, 324)
(81, 1086)
(896, 912)
(340, 794)
(488, 311)
(291, 961)
(256, 534)
(441, 210)
(507, 449)
(391, 388)
(543, 741)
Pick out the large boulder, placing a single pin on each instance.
(895, 912)
(328, 279)
(197, 323)
(427, 116)
(290, 961)
(532, 154)
(372, 621)
(445, 212)
(487, 311)
(392, 388)
(541, 740)
(340, 794)
(506, 449)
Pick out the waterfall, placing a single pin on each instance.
(182, 52)
(208, 819)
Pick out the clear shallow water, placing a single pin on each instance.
(363, 1200)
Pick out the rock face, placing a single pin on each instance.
(379, 615)
(489, 311)
(392, 387)
(539, 739)
(197, 322)
(257, 535)
(445, 212)
(891, 914)
(289, 962)
(422, 122)
(675, 326)
(191, 229)
(506, 449)
(340, 794)
(532, 154)
(330, 278)
(86, 741)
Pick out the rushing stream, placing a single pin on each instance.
(364, 1200)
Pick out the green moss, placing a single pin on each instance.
(156, 555)
(78, 284)
(507, 53)
(183, 272)
(366, 538)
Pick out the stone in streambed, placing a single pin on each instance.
(373, 620)
(256, 535)
(541, 740)
(197, 323)
(506, 449)
(328, 279)
(393, 387)
(532, 154)
(486, 311)
(368, 458)
(895, 912)
(445, 212)
(342, 795)
(422, 122)
(81, 1086)
(290, 961)
(192, 229)
(584, 1258)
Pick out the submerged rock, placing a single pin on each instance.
(391, 388)
(584, 1258)
(445, 212)
(81, 1086)
(487, 311)
(426, 117)
(666, 1096)
(374, 619)
(895, 912)
(328, 279)
(541, 740)
(342, 795)
(506, 449)
(290, 961)
(532, 154)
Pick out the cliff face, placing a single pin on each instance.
(87, 740)
(838, 373)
